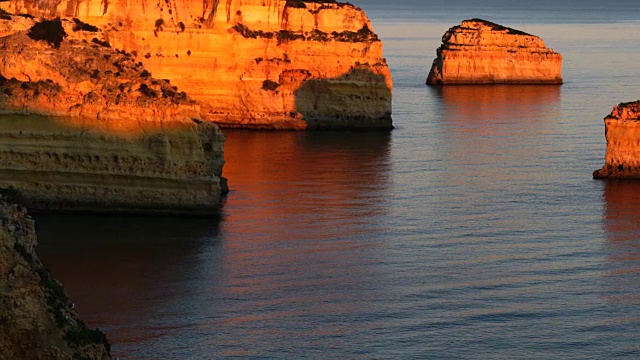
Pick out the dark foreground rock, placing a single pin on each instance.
(36, 316)
(86, 128)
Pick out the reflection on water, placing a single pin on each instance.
(498, 103)
(486, 129)
(622, 224)
(315, 178)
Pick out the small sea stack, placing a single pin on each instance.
(622, 130)
(481, 52)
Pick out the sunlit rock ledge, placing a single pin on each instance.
(276, 64)
(481, 52)
(85, 128)
(622, 131)
(38, 319)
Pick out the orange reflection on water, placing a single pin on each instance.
(622, 225)
(302, 210)
(288, 174)
(499, 102)
(492, 129)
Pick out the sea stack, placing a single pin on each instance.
(86, 128)
(622, 131)
(481, 52)
(38, 319)
(275, 64)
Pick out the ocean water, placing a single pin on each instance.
(472, 231)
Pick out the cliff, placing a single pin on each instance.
(481, 52)
(280, 64)
(622, 131)
(38, 320)
(102, 135)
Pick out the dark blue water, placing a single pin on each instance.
(472, 231)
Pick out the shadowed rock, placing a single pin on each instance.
(38, 320)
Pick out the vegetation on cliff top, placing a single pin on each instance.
(363, 35)
(50, 31)
(499, 27)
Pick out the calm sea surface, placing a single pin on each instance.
(472, 231)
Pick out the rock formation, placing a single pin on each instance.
(109, 138)
(481, 52)
(38, 320)
(622, 130)
(280, 64)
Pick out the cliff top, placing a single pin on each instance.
(476, 23)
(482, 33)
(626, 111)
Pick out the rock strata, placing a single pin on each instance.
(481, 52)
(85, 127)
(277, 64)
(37, 317)
(622, 131)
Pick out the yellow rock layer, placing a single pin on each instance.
(481, 52)
(72, 165)
(252, 63)
(622, 131)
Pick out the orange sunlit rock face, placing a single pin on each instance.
(481, 52)
(86, 128)
(622, 131)
(252, 63)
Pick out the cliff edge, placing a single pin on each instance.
(85, 127)
(622, 131)
(481, 52)
(277, 64)
(38, 321)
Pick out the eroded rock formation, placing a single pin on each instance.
(109, 138)
(38, 321)
(622, 131)
(252, 63)
(481, 52)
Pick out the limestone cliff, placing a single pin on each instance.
(38, 321)
(481, 52)
(253, 63)
(622, 131)
(110, 137)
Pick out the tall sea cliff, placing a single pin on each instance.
(253, 63)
